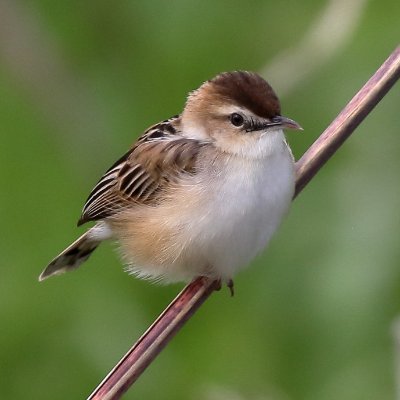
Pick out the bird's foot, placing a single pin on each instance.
(230, 287)
(229, 284)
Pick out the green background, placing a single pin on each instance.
(312, 318)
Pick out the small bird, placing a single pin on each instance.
(199, 194)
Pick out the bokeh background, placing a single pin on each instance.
(314, 317)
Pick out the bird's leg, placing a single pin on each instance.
(230, 287)
(229, 284)
(219, 282)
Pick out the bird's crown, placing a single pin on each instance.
(240, 88)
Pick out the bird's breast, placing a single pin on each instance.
(213, 223)
(241, 207)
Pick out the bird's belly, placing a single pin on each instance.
(212, 227)
(245, 212)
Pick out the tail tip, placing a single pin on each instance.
(42, 276)
(50, 270)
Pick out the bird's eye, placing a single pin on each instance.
(236, 119)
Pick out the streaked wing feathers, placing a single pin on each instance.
(155, 161)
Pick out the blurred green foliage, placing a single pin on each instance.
(312, 318)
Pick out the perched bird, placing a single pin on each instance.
(199, 194)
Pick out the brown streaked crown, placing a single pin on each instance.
(249, 90)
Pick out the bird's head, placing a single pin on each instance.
(236, 110)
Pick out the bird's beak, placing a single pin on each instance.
(286, 123)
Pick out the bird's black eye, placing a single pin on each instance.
(236, 119)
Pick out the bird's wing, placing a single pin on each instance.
(158, 159)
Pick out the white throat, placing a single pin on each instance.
(255, 145)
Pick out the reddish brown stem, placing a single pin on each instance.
(192, 296)
(348, 120)
(135, 361)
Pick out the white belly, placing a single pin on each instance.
(247, 208)
(213, 225)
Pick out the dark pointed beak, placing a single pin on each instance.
(286, 122)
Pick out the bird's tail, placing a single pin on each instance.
(73, 256)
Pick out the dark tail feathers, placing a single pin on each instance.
(72, 257)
